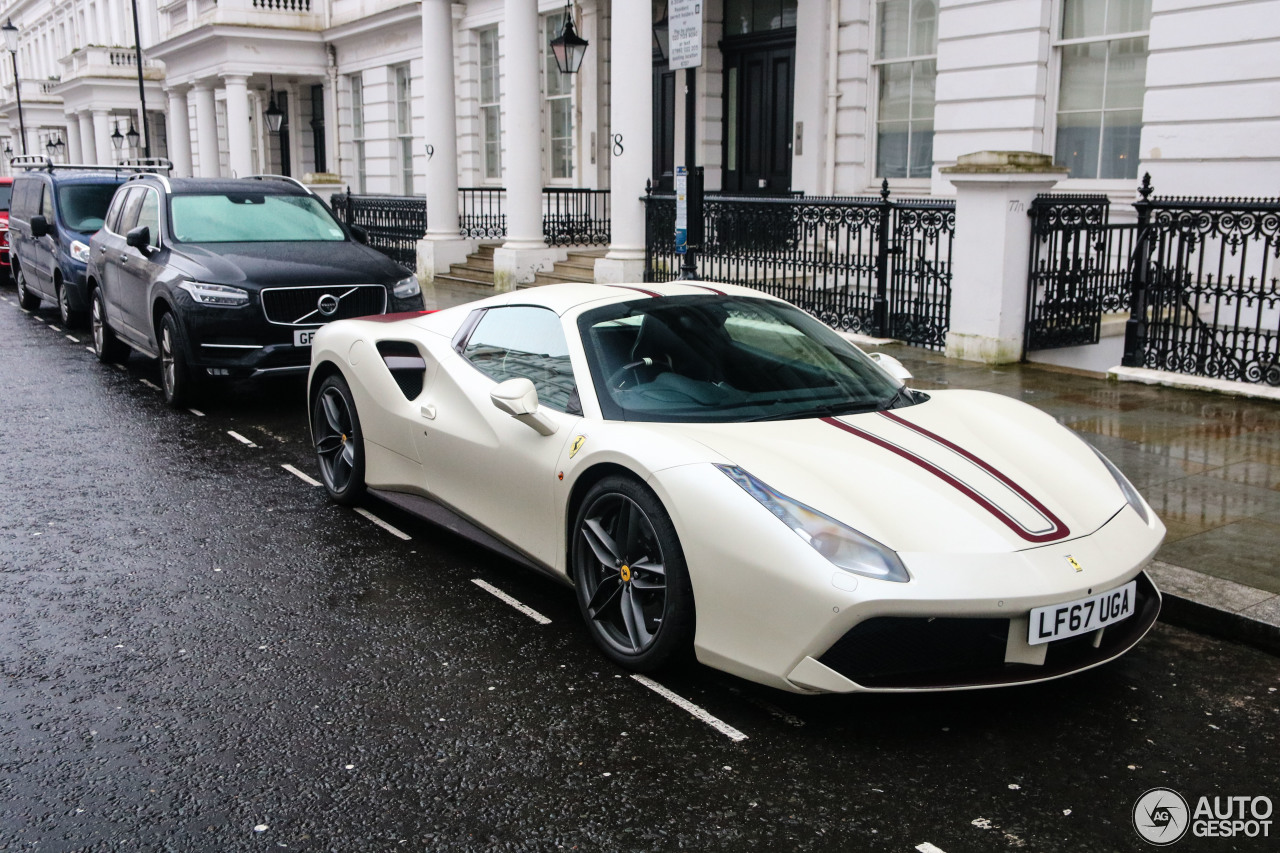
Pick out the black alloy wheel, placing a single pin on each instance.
(26, 298)
(339, 443)
(629, 571)
(106, 346)
(176, 377)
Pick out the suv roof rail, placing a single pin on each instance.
(151, 174)
(287, 179)
(149, 164)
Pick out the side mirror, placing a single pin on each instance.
(39, 226)
(891, 366)
(359, 234)
(518, 398)
(139, 238)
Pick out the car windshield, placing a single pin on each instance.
(251, 217)
(6, 193)
(84, 206)
(724, 358)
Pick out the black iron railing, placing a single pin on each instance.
(1206, 293)
(394, 224)
(868, 265)
(575, 217)
(480, 213)
(1079, 269)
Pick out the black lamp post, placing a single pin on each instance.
(142, 94)
(117, 138)
(275, 117)
(11, 43)
(569, 47)
(61, 146)
(52, 147)
(132, 135)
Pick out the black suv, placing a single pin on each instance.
(229, 277)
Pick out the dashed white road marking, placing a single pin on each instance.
(926, 847)
(196, 412)
(700, 713)
(153, 386)
(387, 527)
(55, 328)
(73, 339)
(310, 481)
(92, 350)
(523, 608)
(240, 438)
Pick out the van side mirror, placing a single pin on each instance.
(139, 238)
(39, 226)
(518, 398)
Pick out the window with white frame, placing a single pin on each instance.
(404, 128)
(1102, 51)
(490, 105)
(559, 100)
(906, 72)
(356, 82)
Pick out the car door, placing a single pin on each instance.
(112, 258)
(44, 249)
(484, 463)
(138, 267)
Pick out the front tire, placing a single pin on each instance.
(176, 378)
(106, 346)
(339, 441)
(28, 300)
(630, 575)
(71, 319)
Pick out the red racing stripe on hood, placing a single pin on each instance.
(1058, 530)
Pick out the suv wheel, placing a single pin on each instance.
(176, 376)
(28, 300)
(71, 319)
(106, 346)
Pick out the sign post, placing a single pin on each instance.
(685, 21)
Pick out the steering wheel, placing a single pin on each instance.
(617, 380)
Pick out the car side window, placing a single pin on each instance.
(112, 221)
(46, 204)
(129, 218)
(522, 340)
(149, 216)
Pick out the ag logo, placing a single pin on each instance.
(1075, 563)
(327, 304)
(577, 445)
(1161, 816)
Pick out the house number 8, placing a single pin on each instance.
(617, 145)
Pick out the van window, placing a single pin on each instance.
(26, 194)
(6, 196)
(84, 206)
(46, 205)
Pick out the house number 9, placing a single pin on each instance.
(431, 152)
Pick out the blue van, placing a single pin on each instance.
(53, 213)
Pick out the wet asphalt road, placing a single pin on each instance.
(199, 652)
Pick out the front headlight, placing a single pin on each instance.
(1130, 493)
(845, 547)
(407, 287)
(216, 294)
(79, 251)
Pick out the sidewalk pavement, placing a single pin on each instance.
(1208, 463)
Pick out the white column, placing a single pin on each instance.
(294, 118)
(102, 136)
(88, 145)
(332, 154)
(179, 132)
(994, 190)
(631, 116)
(206, 130)
(75, 153)
(441, 245)
(239, 134)
(523, 254)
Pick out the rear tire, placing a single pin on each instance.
(106, 346)
(176, 377)
(28, 300)
(339, 442)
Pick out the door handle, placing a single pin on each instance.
(124, 259)
(428, 412)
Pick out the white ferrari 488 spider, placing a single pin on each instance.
(713, 469)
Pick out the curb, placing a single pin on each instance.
(1218, 607)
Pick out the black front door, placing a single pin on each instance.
(759, 88)
(664, 126)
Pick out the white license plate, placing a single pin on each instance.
(302, 337)
(1056, 621)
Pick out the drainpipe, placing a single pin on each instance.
(833, 94)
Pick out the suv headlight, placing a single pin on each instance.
(216, 294)
(407, 287)
(1130, 493)
(845, 547)
(79, 251)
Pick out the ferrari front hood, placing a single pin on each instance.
(965, 471)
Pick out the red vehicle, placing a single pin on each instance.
(6, 192)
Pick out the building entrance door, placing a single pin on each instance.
(759, 93)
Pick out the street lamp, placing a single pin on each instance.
(132, 135)
(52, 147)
(117, 138)
(61, 146)
(569, 47)
(11, 43)
(662, 34)
(275, 117)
